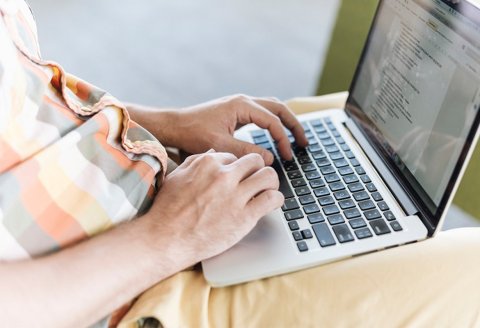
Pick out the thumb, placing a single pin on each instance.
(241, 148)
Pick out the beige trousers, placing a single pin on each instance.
(435, 283)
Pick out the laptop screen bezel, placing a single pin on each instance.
(363, 122)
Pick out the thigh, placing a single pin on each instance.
(432, 283)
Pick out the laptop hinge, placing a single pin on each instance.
(389, 179)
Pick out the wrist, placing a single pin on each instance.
(161, 122)
(167, 246)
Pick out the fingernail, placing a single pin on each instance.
(211, 151)
(267, 157)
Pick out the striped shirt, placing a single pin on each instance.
(72, 162)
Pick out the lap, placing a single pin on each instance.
(432, 283)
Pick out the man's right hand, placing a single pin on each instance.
(211, 201)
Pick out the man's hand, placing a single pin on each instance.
(211, 126)
(211, 201)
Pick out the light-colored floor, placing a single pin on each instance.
(179, 53)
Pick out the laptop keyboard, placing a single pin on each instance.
(326, 185)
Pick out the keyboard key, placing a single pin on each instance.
(312, 141)
(336, 186)
(349, 155)
(357, 223)
(328, 142)
(320, 192)
(341, 163)
(316, 123)
(315, 218)
(356, 187)
(324, 201)
(284, 188)
(377, 197)
(308, 199)
(331, 149)
(330, 210)
(336, 156)
(309, 209)
(305, 126)
(350, 179)
(343, 233)
(320, 129)
(365, 178)
(323, 162)
(261, 139)
(294, 215)
(363, 233)
(379, 227)
(345, 170)
(362, 195)
(389, 216)
(345, 147)
(396, 226)
(360, 170)
(366, 205)
(317, 183)
(323, 135)
(308, 167)
(336, 134)
(307, 234)
(293, 225)
(339, 139)
(346, 204)
(294, 175)
(352, 213)
(300, 191)
(257, 133)
(383, 206)
(335, 219)
(308, 134)
(332, 178)
(319, 155)
(290, 166)
(323, 234)
(266, 145)
(328, 120)
(298, 183)
(327, 170)
(355, 162)
(313, 175)
(302, 246)
(297, 235)
(304, 160)
(314, 148)
(299, 152)
(342, 194)
(290, 204)
(373, 214)
(371, 187)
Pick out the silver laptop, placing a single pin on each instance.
(381, 172)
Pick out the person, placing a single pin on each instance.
(91, 216)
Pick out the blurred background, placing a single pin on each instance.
(183, 52)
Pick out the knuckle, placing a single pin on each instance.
(239, 98)
(275, 99)
(257, 160)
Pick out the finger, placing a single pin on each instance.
(286, 116)
(242, 148)
(264, 179)
(222, 158)
(255, 113)
(264, 203)
(248, 165)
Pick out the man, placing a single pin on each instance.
(74, 165)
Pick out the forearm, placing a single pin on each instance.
(161, 122)
(82, 284)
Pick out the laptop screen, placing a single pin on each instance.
(416, 93)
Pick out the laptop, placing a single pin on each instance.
(383, 171)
